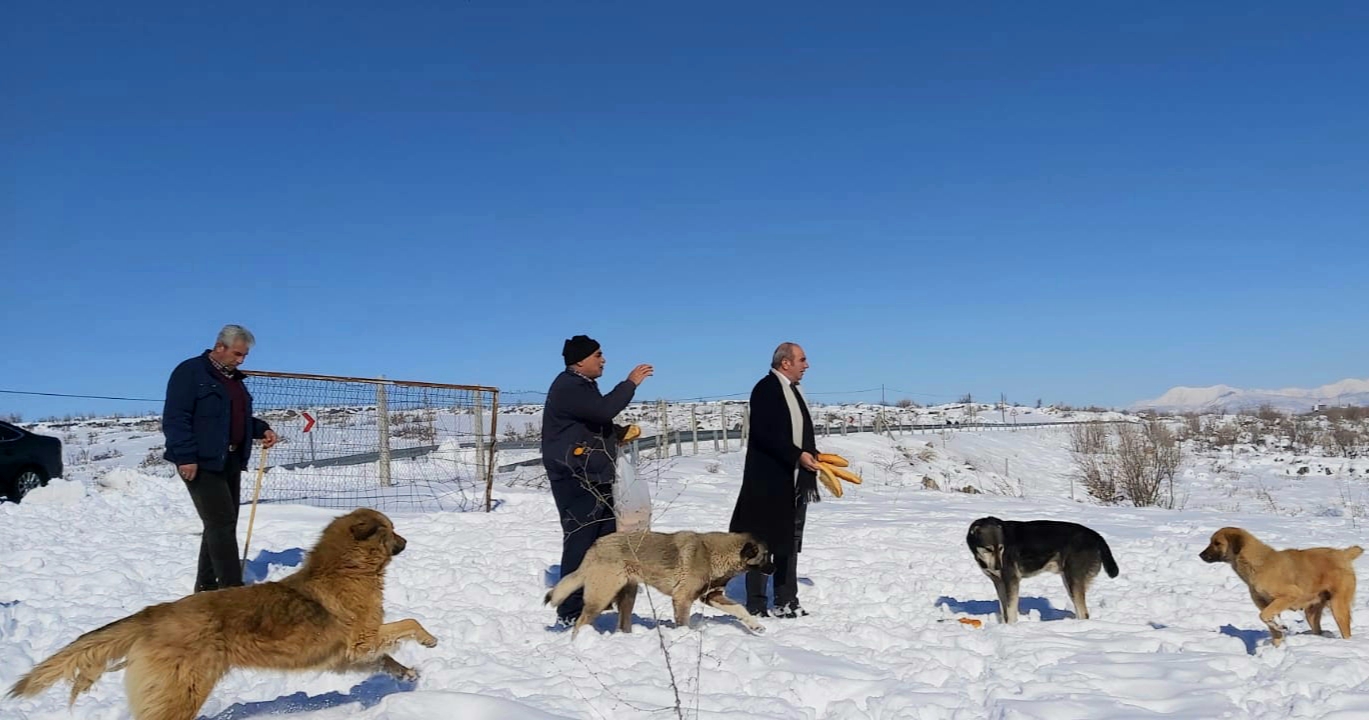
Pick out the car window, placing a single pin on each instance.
(8, 433)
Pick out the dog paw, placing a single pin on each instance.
(397, 671)
(427, 641)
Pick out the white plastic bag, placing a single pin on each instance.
(631, 494)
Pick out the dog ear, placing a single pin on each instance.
(749, 550)
(364, 528)
(1234, 541)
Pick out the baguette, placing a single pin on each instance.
(833, 459)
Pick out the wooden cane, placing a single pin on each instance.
(261, 470)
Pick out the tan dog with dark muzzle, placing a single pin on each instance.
(326, 616)
(687, 566)
(1279, 580)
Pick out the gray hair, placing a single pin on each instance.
(231, 334)
(784, 352)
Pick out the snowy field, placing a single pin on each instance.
(885, 574)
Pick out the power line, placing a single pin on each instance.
(85, 397)
(921, 394)
(844, 392)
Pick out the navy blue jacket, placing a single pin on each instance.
(195, 418)
(577, 415)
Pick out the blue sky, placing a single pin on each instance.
(1085, 203)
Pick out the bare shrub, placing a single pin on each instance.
(1088, 438)
(1165, 455)
(1132, 462)
(906, 403)
(1129, 467)
(1301, 433)
(1222, 433)
(1152, 472)
(1344, 439)
(1353, 413)
(1268, 413)
(1090, 447)
(1193, 426)
(531, 476)
(153, 458)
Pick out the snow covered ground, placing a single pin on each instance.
(885, 574)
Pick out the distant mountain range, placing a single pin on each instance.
(1225, 397)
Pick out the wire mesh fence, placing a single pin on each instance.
(392, 445)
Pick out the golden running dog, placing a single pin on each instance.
(325, 616)
(1279, 580)
(687, 566)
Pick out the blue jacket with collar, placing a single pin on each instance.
(196, 420)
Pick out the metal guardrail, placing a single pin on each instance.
(651, 442)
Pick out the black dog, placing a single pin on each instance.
(1008, 551)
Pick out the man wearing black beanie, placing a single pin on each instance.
(579, 452)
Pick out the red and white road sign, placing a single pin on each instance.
(308, 421)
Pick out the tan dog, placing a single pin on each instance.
(687, 566)
(326, 616)
(1279, 580)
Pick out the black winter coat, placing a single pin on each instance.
(767, 500)
(576, 415)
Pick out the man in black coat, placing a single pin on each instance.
(579, 450)
(779, 479)
(209, 426)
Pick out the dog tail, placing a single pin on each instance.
(84, 660)
(1109, 564)
(564, 588)
(1353, 552)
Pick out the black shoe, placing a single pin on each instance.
(759, 612)
(792, 610)
(564, 622)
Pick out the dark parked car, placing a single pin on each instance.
(27, 460)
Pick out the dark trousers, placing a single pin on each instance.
(586, 510)
(216, 498)
(786, 577)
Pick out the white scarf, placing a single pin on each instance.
(795, 415)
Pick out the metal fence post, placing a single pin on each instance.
(694, 427)
(746, 423)
(722, 425)
(383, 429)
(478, 420)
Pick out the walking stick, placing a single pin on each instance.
(261, 470)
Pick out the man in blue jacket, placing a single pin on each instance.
(209, 430)
(579, 450)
